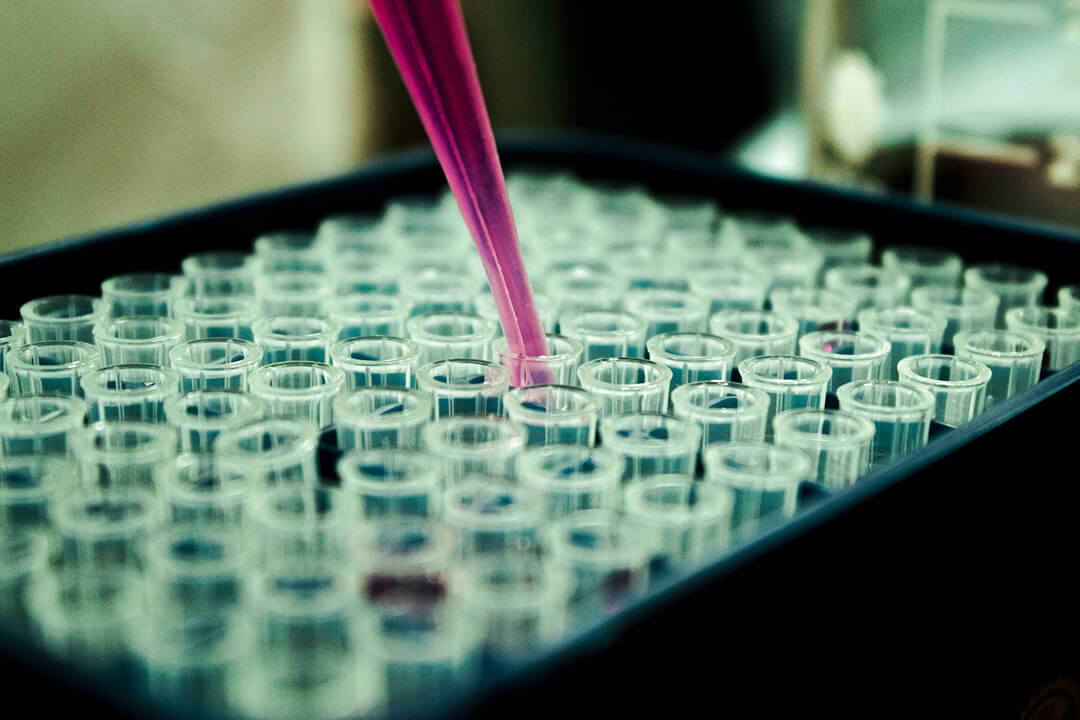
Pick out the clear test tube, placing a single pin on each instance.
(841, 246)
(815, 308)
(761, 228)
(436, 267)
(837, 442)
(900, 413)
(685, 523)
(299, 525)
(794, 265)
(51, 367)
(287, 339)
(138, 340)
(869, 286)
(649, 269)
(309, 649)
(293, 294)
(392, 483)
(376, 361)
(570, 479)
(352, 233)
(756, 332)
(653, 444)
(924, 265)
(554, 414)
(5, 386)
(605, 334)
(694, 230)
(220, 273)
(451, 335)
(405, 565)
(557, 367)
(12, 334)
(99, 531)
(624, 214)
(301, 390)
(275, 451)
(40, 424)
(626, 385)
(463, 387)
(423, 214)
(640, 264)
(23, 557)
(967, 309)
(909, 332)
(693, 357)
(763, 478)
(518, 603)
(558, 242)
(545, 308)
(88, 616)
(725, 411)
(62, 317)
(364, 315)
(140, 294)
(583, 288)
(190, 659)
(668, 311)
(408, 584)
(1068, 298)
(129, 393)
(850, 355)
(588, 264)
(556, 234)
(215, 363)
(622, 210)
(195, 571)
(29, 486)
(210, 316)
(287, 251)
(363, 274)
(438, 291)
(200, 416)
(607, 563)
(475, 447)
(730, 288)
(381, 417)
(444, 240)
(418, 260)
(123, 456)
(1014, 359)
(690, 212)
(492, 518)
(688, 246)
(958, 386)
(791, 382)
(1058, 328)
(1016, 286)
(208, 490)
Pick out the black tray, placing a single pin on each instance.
(940, 585)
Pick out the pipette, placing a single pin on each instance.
(431, 49)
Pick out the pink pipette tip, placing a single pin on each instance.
(428, 41)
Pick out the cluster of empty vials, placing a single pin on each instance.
(313, 481)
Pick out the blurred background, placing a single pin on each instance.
(115, 111)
